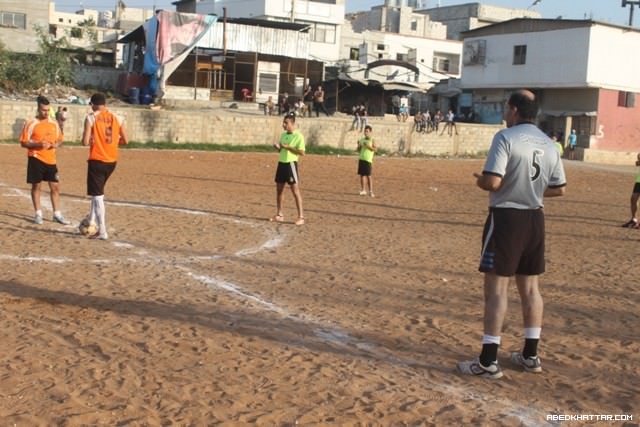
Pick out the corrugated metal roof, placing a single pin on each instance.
(248, 38)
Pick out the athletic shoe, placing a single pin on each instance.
(632, 223)
(277, 218)
(371, 194)
(363, 193)
(530, 364)
(299, 221)
(475, 368)
(99, 236)
(60, 219)
(38, 219)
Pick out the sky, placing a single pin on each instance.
(600, 10)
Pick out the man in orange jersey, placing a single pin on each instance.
(103, 133)
(41, 136)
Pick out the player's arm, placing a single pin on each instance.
(488, 181)
(293, 150)
(60, 139)
(124, 139)
(35, 145)
(555, 191)
(86, 133)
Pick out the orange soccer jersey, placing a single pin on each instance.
(46, 130)
(105, 136)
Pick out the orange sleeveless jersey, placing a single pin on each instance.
(46, 130)
(105, 135)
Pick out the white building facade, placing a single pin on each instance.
(324, 19)
(435, 59)
(584, 73)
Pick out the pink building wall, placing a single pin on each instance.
(617, 127)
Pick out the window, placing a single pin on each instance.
(13, 20)
(322, 33)
(401, 57)
(414, 25)
(626, 99)
(446, 63)
(520, 54)
(354, 54)
(268, 82)
(380, 47)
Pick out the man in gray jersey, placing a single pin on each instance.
(522, 168)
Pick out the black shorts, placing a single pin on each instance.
(572, 147)
(287, 173)
(38, 171)
(513, 242)
(364, 168)
(636, 187)
(97, 175)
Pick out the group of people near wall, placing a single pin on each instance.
(428, 122)
(311, 100)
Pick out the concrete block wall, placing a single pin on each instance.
(245, 128)
(96, 77)
(589, 155)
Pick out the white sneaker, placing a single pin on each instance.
(371, 194)
(60, 219)
(38, 219)
(99, 236)
(363, 193)
(475, 368)
(530, 364)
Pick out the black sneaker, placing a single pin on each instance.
(632, 223)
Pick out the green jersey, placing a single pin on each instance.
(294, 140)
(638, 176)
(366, 152)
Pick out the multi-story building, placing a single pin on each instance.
(465, 17)
(17, 21)
(584, 73)
(97, 31)
(322, 17)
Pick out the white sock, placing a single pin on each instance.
(532, 333)
(490, 339)
(101, 215)
(39, 212)
(92, 211)
(57, 213)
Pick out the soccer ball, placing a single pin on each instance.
(87, 228)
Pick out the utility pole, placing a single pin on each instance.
(631, 3)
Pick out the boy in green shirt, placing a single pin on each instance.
(635, 196)
(367, 148)
(291, 145)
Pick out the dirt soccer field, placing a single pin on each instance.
(198, 311)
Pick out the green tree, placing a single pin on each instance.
(20, 71)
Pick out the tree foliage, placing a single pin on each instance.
(19, 71)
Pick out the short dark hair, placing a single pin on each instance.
(98, 99)
(42, 100)
(290, 116)
(526, 104)
(368, 127)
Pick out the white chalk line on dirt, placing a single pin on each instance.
(328, 333)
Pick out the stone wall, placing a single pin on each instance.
(96, 77)
(226, 126)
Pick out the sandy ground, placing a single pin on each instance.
(198, 311)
